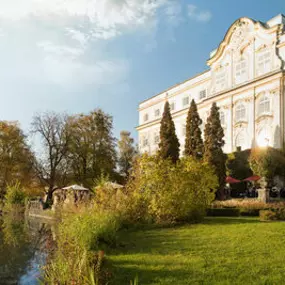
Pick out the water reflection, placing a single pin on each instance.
(24, 244)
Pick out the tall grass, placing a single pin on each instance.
(79, 258)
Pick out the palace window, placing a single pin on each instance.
(222, 118)
(185, 101)
(240, 140)
(145, 141)
(220, 79)
(172, 106)
(264, 105)
(263, 62)
(156, 138)
(240, 112)
(145, 117)
(157, 113)
(202, 94)
(241, 72)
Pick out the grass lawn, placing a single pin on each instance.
(218, 251)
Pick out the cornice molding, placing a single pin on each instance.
(268, 78)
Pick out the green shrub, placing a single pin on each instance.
(15, 197)
(249, 212)
(272, 214)
(267, 215)
(280, 213)
(164, 192)
(223, 212)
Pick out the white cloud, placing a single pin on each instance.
(173, 11)
(106, 18)
(61, 40)
(61, 32)
(198, 15)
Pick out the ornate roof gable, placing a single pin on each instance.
(240, 32)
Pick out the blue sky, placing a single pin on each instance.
(79, 55)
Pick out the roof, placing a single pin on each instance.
(75, 187)
(173, 86)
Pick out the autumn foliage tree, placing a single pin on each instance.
(214, 142)
(16, 163)
(169, 144)
(193, 143)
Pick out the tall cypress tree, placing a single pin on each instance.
(214, 142)
(169, 144)
(193, 142)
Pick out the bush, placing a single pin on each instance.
(267, 215)
(164, 192)
(108, 198)
(249, 212)
(223, 212)
(280, 213)
(15, 197)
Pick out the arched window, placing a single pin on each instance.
(222, 118)
(240, 112)
(240, 140)
(264, 105)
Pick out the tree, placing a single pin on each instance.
(267, 163)
(213, 144)
(91, 147)
(169, 144)
(50, 167)
(127, 152)
(15, 157)
(193, 142)
(238, 167)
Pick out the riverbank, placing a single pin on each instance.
(24, 246)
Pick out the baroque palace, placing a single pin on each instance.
(246, 80)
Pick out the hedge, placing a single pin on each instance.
(249, 212)
(223, 212)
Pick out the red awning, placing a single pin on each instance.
(232, 180)
(252, 178)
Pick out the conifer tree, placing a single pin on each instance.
(214, 142)
(169, 144)
(193, 142)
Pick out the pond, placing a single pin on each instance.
(24, 245)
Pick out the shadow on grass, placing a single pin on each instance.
(160, 255)
(230, 220)
(122, 275)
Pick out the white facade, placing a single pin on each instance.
(246, 78)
